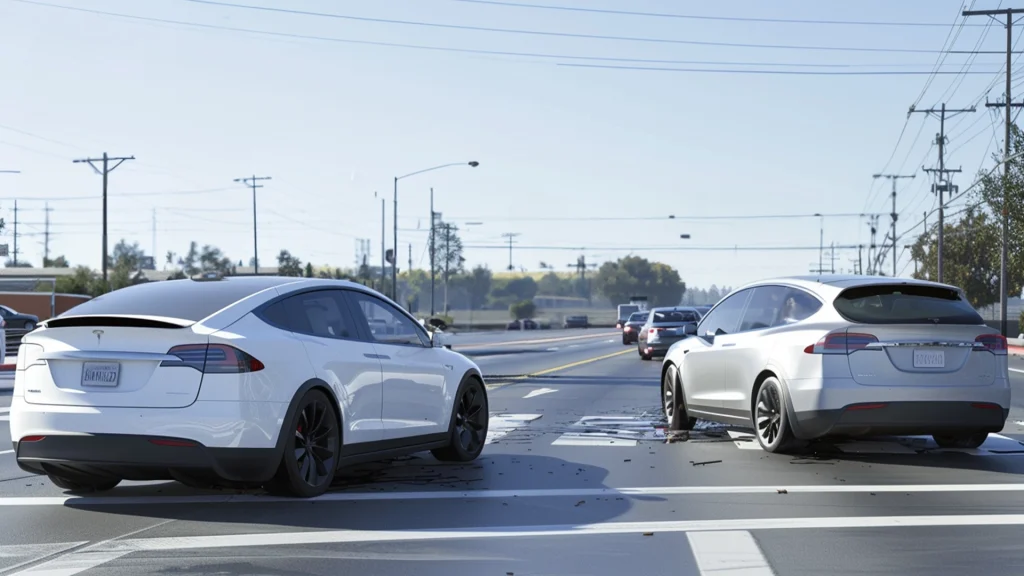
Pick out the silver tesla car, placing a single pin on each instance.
(805, 357)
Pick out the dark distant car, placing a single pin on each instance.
(16, 320)
(522, 325)
(633, 324)
(576, 322)
(664, 327)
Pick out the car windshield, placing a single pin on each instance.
(638, 317)
(905, 304)
(183, 299)
(675, 316)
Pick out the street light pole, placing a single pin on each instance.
(394, 218)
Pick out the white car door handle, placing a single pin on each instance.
(378, 356)
(728, 345)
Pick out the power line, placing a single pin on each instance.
(665, 248)
(656, 218)
(696, 17)
(105, 172)
(469, 28)
(1008, 101)
(771, 72)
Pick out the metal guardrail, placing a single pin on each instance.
(13, 343)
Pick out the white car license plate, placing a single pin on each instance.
(100, 373)
(929, 359)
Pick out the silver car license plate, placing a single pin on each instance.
(100, 373)
(929, 359)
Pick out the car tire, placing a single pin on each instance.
(770, 419)
(467, 431)
(963, 441)
(84, 484)
(673, 403)
(625, 342)
(312, 448)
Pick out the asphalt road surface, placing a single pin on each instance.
(577, 479)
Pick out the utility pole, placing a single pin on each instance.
(1007, 102)
(873, 248)
(433, 264)
(46, 233)
(252, 182)
(448, 229)
(510, 236)
(942, 185)
(15, 233)
(894, 215)
(410, 256)
(832, 256)
(105, 172)
(860, 259)
(154, 238)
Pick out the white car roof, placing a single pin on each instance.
(828, 286)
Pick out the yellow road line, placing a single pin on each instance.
(541, 341)
(563, 367)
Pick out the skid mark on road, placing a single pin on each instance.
(996, 445)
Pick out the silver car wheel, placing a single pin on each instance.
(769, 414)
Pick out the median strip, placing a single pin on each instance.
(505, 378)
(538, 341)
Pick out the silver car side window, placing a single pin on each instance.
(725, 317)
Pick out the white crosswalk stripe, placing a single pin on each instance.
(617, 431)
(501, 425)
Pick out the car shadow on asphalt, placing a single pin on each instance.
(382, 499)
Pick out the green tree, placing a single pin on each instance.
(477, 285)
(522, 309)
(551, 284)
(506, 291)
(125, 265)
(288, 265)
(211, 259)
(636, 276)
(82, 281)
(58, 262)
(21, 264)
(448, 259)
(309, 270)
(970, 256)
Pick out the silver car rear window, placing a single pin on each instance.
(905, 304)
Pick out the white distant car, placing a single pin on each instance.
(805, 357)
(255, 380)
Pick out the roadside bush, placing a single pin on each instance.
(522, 309)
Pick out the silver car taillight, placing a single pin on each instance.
(841, 342)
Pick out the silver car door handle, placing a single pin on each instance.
(378, 356)
(728, 345)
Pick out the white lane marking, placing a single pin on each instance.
(729, 552)
(552, 349)
(2, 452)
(251, 499)
(610, 431)
(314, 537)
(6, 418)
(744, 441)
(500, 425)
(5, 410)
(610, 341)
(539, 392)
(87, 558)
(996, 445)
(1017, 370)
(573, 346)
(34, 552)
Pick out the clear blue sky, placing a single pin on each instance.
(333, 122)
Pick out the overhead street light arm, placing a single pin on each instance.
(472, 164)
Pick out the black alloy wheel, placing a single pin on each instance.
(311, 451)
(770, 421)
(469, 424)
(673, 402)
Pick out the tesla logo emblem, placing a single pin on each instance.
(99, 335)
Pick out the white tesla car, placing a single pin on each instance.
(805, 357)
(251, 380)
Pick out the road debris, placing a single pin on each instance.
(704, 463)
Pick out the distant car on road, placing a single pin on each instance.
(663, 328)
(631, 329)
(14, 320)
(262, 380)
(576, 322)
(804, 357)
(526, 324)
